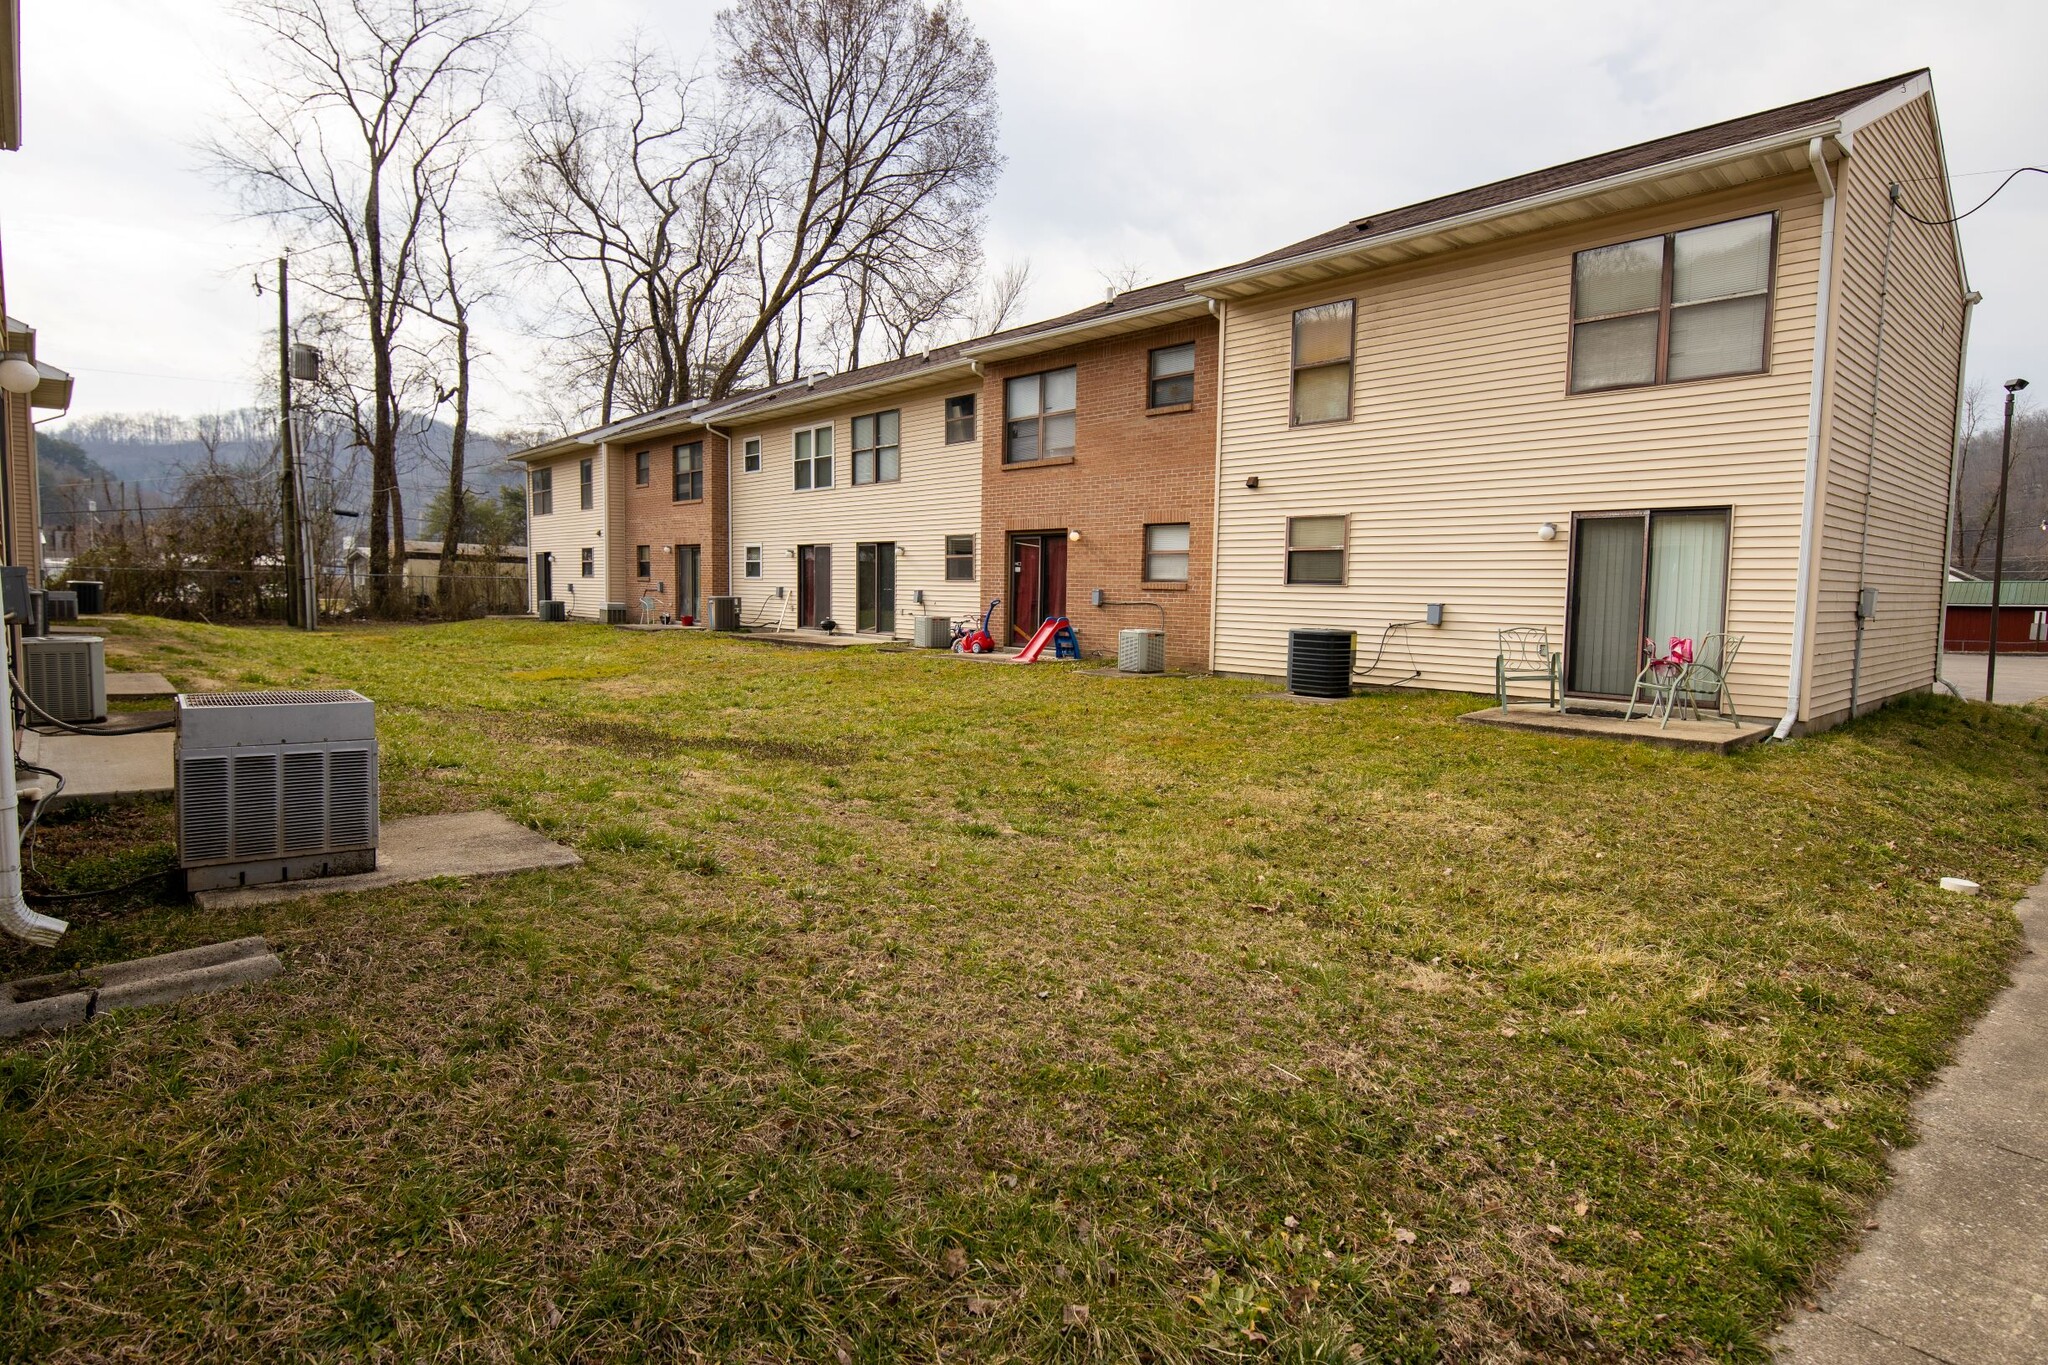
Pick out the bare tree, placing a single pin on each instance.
(1001, 299)
(447, 295)
(873, 124)
(638, 195)
(1123, 277)
(361, 111)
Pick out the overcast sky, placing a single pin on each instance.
(1174, 135)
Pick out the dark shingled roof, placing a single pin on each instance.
(1714, 137)
(1643, 155)
(1131, 300)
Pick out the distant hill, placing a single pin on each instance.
(147, 451)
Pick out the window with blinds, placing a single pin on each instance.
(1166, 552)
(877, 452)
(1323, 337)
(1686, 305)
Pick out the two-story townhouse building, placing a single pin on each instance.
(629, 511)
(1625, 399)
(674, 489)
(1702, 387)
(567, 504)
(855, 497)
(1099, 467)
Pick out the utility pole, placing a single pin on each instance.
(288, 479)
(2012, 390)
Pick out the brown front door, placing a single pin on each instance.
(689, 582)
(813, 584)
(1038, 581)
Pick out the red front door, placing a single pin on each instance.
(1038, 581)
(813, 584)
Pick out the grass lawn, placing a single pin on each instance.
(909, 1008)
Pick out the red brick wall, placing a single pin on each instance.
(653, 518)
(1130, 467)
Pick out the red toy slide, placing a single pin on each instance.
(1055, 631)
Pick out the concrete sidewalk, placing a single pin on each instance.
(2021, 677)
(1957, 1268)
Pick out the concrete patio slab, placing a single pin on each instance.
(110, 767)
(1957, 1267)
(478, 843)
(1711, 736)
(139, 687)
(815, 639)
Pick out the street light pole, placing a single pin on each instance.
(2012, 390)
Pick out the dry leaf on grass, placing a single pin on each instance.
(954, 1262)
(1460, 1285)
(1076, 1315)
(1404, 1237)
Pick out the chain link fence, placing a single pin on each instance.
(418, 593)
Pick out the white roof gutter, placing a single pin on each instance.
(1586, 189)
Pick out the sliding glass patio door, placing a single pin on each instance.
(1640, 577)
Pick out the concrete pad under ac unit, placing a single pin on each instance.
(479, 843)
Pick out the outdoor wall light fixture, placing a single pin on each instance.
(1547, 531)
(1074, 536)
(1251, 481)
(18, 375)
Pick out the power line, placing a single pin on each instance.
(1944, 222)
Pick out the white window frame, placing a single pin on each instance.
(1186, 554)
(750, 562)
(750, 456)
(805, 478)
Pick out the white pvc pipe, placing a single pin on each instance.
(15, 916)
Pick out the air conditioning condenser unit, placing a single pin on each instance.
(275, 786)
(932, 632)
(1141, 651)
(66, 676)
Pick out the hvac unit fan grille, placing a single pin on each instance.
(203, 810)
(197, 699)
(305, 801)
(254, 806)
(351, 803)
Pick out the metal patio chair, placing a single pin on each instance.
(650, 610)
(1526, 656)
(1660, 677)
(1707, 675)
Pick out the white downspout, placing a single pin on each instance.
(1955, 497)
(1802, 600)
(15, 916)
(1222, 314)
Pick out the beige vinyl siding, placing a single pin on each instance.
(1463, 441)
(1907, 488)
(568, 529)
(24, 531)
(937, 494)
